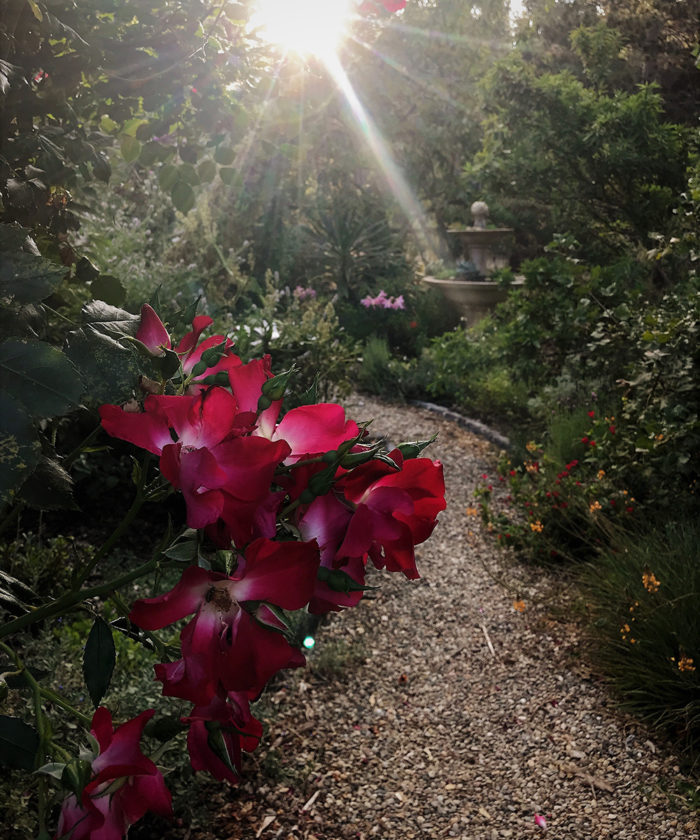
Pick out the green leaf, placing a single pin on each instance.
(340, 581)
(206, 171)
(101, 168)
(109, 289)
(19, 447)
(217, 744)
(130, 148)
(76, 775)
(110, 319)
(165, 728)
(53, 768)
(183, 197)
(25, 277)
(150, 153)
(85, 271)
(183, 552)
(228, 175)
(168, 364)
(109, 369)
(39, 376)
(36, 11)
(224, 155)
(167, 176)
(413, 448)
(19, 743)
(98, 661)
(188, 173)
(185, 315)
(108, 125)
(49, 487)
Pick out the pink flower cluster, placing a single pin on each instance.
(304, 292)
(300, 503)
(383, 301)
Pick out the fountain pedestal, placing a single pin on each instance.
(485, 250)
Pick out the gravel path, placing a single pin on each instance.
(437, 710)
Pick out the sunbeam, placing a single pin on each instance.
(369, 133)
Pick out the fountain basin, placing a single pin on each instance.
(475, 299)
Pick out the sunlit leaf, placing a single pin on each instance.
(130, 148)
(183, 196)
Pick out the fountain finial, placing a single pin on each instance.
(480, 212)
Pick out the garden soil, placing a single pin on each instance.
(459, 705)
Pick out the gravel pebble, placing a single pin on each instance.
(452, 714)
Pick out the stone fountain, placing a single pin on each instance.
(482, 251)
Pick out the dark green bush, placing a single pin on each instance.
(644, 594)
(468, 372)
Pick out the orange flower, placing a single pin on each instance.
(519, 606)
(650, 582)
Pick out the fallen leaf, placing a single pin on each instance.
(264, 824)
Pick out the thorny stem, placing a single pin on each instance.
(129, 517)
(41, 729)
(75, 454)
(121, 605)
(52, 697)
(72, 598)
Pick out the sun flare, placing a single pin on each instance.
(303, 26)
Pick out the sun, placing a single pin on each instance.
(303, 26)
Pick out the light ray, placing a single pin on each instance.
(429, 86)
(367, 130)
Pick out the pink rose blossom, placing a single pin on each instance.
(234, 640)
(124, 785)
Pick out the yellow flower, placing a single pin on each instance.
(650, 582)
(685, 663)
(519, 606)
(594, 506)
(537, 527)
(531, 446)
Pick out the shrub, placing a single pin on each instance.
(469, 374)
(652, 441)
(374, 372)
(644, 595)
(550, 508)
(423, 314)
(299, 329)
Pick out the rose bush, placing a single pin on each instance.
(283, 512)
